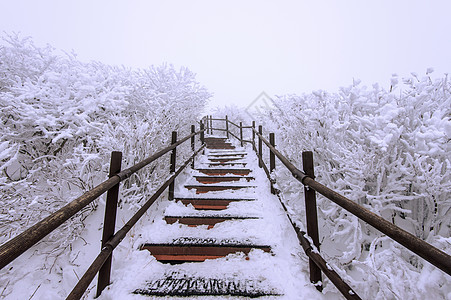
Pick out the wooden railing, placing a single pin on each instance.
(317, 264)
(102, 264)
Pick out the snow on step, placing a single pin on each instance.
(203, 220)
(224, 171)
(226, 164)
(174, 285)
(217, 179)
(226, 154)
(198, 250)
(210, 203)
(215, 188)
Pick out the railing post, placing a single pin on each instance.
(241, 133)
(193, 130)
(227, 126)
(253, 136)
(211, 124)
(109, 221)
(272, 160)
(260, 130)
(312, 216)
(207, 124)
(172, 166)
(202, 134)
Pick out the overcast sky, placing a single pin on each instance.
(240, 48)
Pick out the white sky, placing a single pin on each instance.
(240, 48)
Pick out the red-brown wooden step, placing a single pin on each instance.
(226, 154)
(218, 172)
(224, 159)
(220, 146)
(200, 189)
(209, 203)
(194, 221)
(213, 164)
(211, 141)
(170, 253)
(214, 138)
(217, 179)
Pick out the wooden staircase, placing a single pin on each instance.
(213, 238)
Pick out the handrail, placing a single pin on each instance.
(232, 134)
(16, 246)
(112, 243)
(298, 174)
(233, 123)
(342, 286)
(428, 252)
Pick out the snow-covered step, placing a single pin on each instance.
(198, 250)
(218, 143)
(211, 203)
(220, 146)
(210, 139)
(225, 171)
(211, 221)
(225, 151)
(225, 159)
(200, 189)
(216, 179)
(222, 154)
(175, 285)
(219, 164)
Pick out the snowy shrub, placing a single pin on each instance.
(61, 118)
(388, 151)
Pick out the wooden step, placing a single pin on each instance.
(216, 141)
(218, 172)
(194, 221)
(216, 164)
(200, 189)
(220, 146)
(226, 154)
(197, 252)
(211, 152)
(182, 285)
(217, 179)
(223, 160)
(215, 138)
(210, 203)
